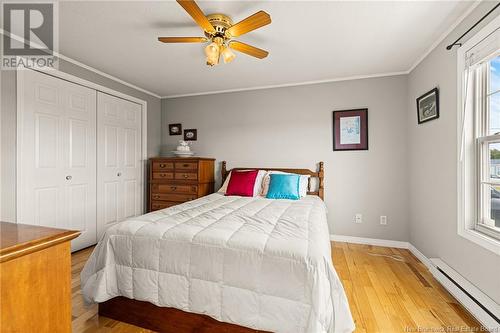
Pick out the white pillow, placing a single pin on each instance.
(257, 188)
(303, 182)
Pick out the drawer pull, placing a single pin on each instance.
(162, 175)
(163, 165)
(156, 197)
(185, 165)
(185, 176)
(173, 188)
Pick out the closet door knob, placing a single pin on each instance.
(119, 174)
(68, 177)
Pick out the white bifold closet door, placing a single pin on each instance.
(57, 155)
(119, 179)
(79, 157)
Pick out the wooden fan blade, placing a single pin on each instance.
(182, 39)
(192, 8)
(248, 49)
(253, 22)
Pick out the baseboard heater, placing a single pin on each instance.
(482, 307)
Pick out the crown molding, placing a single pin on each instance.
(444, 35)
(87, 67)
(304, 83)
(295, 84)
(474, 5)
(106, 75)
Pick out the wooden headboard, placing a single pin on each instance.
(319, 174)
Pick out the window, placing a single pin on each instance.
(487, 101)
(479, 137)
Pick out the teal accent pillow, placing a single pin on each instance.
(284, 187)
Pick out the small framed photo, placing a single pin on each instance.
(428, 106)
(175, 129)
(350, 129)
(190, 135)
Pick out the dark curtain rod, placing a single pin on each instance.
(449, 47)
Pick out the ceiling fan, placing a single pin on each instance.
(219, 30)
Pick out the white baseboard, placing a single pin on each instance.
(480, 314)
(477, 311)
(369, 241)
(426, 261)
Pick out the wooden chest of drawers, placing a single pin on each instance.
(35, 278)
(179, 179)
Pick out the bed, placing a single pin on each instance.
(222, 264)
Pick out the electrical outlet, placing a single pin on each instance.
(358, 218)
(383, 220)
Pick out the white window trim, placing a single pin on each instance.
(467, 229)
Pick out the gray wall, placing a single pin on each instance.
(8, 128)
(292, 127)
(433, 170)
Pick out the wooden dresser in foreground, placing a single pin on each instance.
(35, 278)
(176, 180)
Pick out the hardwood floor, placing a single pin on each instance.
(389, 290)
(388, 295)
(85, 319)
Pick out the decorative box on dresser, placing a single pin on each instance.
(174, 180)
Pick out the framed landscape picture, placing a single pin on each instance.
(350, 129)
(428, 106)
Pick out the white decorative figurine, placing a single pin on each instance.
(183, 149)
(183, 146)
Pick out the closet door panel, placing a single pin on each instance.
(41, 189)
(109, 191)
(46, 206)
(110, 146)
(132, 159)
(46, 141)
(78, 198)
(119, 160)
(130, 200)
(57, 168)
(80, 162)
(110, 203)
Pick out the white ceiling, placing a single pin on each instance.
(307, 41)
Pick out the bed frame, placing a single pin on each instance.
(165, 320)
(170, 320)
(320, 174)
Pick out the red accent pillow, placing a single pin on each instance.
(242, 183)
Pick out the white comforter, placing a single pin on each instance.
(255, 262)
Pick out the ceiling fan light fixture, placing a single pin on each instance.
(212, 50)
(228, 55)
(213, 60)
(219, 31)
